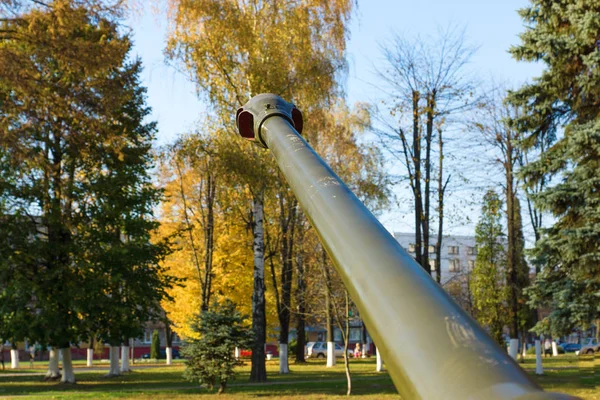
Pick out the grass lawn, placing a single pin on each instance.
(567, 374)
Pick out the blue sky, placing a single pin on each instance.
(493, 26)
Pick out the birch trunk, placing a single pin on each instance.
(283, 359)
(379, 367)
(513, 348)
(125, 359)
(14, 358)
(258, 371)
(539, 370)
(53, 370)
(68, 375)
(330, 354)
(169, 352)
(114, 361)
(90, 357)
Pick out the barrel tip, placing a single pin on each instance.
(251, 116)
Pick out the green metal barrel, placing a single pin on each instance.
(432, 348)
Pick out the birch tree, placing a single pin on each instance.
(294, 49)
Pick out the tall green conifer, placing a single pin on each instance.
(488, 288)
(564, 101)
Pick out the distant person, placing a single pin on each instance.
(357, 350)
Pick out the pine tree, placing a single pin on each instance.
(210, 358)
(564, 101)
(488, 277)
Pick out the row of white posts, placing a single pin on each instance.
(115, 369)
(539, 370)
(512, 351)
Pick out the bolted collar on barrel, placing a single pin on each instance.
(250, 118)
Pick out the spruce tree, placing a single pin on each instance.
(210, 357)
(564, 101)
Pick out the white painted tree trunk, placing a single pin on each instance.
(554, 349)
(539, 370)
(330, 354)
(68, 375)
(236, 353)
(524, 350)
(169, 351)
(380, 367)
(90, 357)
(365, 350)
(284, 367)
(513, 348)
(125, 359)
(53, 371)
(114, 361)
(14, 358)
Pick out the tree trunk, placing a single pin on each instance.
(380, 367)
(300, 302)
(365, 349)
(539, 370)
(125, 359)
(287, 224)
(346, 343)
(283, 359)
(328, 312)
(169, 342)
(512, 259)
(114, 361)
(209, 230)
(222, 387)
(68, 375)
(513, 348)
(90, 356)
(417, 178)
(425, 219)
(14, 358)
(169, 354)
(53, 370)
(258, 371)
(441, 192)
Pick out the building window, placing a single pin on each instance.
(411, 248)
(453, 250)
(355, 335)
(337, 335)
(147, 336)
(454, 265)
(472, 251)
(431, 249)
(471, 264)
(432, 265)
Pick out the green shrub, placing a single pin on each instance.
(531, 350)
(292, 344)
(210, 359)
